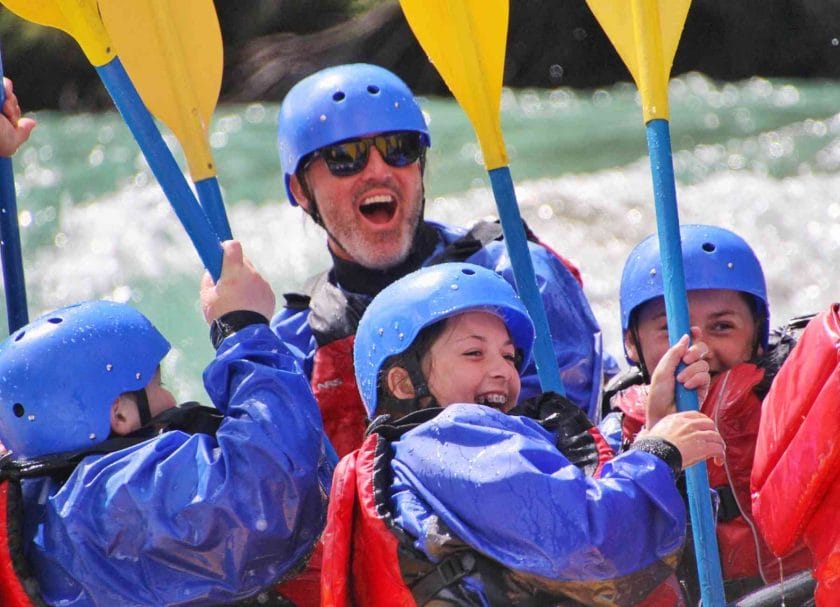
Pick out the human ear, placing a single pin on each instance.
(630, 348)
(120, 423)
(299, 192)
(399, 383)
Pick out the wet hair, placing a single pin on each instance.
(410, 360)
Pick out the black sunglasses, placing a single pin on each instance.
(349, 157)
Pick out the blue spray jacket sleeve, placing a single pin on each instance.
(502, 487)
(192, 519)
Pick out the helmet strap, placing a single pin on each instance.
(634, 335)
(312, 211)
(419, 383)
(143, 410)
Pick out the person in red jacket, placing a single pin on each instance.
(727, 300)
(454, 500)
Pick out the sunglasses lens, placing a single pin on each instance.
(349, 157)
(346, 158)
(399, 149)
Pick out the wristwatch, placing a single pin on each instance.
(230, 323)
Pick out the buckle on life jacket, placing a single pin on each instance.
(446, 573)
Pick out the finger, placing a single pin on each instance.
(698, 382)
(698, 351)
(24, 129)
(698, 367)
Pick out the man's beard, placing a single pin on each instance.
(382, 251)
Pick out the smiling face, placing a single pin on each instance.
(724, 316)
(473, 361)
(371, 217)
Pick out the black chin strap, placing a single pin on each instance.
(634, 335)
(143, 409)
(419, 383)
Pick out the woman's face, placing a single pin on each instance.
(727, 322)
(473, 361)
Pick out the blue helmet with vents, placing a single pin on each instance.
(60, 374)
(713, 258)
(340, 103)
(396, 316)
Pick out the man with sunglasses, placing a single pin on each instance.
(353, 143)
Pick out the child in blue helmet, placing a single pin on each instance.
(452, 499)
(128, 500)
(729, 311)
(353, 141)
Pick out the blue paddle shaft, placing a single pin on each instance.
(523, 273)
(163, 165)
(210, 197)
(10, 249)
(676, 310)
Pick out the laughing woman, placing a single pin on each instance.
(453, 501)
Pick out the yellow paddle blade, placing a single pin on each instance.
(79, 18)
(646, 34)
(172, 50)
(466, 40)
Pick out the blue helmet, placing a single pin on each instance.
(339, 103)
(60, 373)
(396, 316)
(713, 258)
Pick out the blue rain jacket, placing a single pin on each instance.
(574, 330)
(500, 484)
(192, 519)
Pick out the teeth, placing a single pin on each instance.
(377, 199)
(492, 399)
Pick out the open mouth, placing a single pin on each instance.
(379, 209)
(496, 400)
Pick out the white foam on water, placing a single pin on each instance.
(595, 220)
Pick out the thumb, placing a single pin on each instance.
(24, 128)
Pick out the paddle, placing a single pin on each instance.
(13, 281)
(172, 50)
(646, 34)
(80, 19)
(466, 39)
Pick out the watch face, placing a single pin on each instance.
(228, 324)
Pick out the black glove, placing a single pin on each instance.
(570, 425)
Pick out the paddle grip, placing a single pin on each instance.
(676, 311)
(163, 165)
